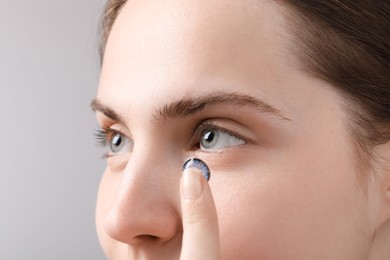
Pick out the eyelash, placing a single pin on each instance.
(102, 135)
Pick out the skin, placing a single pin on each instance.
(292, 189)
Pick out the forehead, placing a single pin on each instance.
(174, 45)
(187, 20)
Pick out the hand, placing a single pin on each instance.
(200, 223)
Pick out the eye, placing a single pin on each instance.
(116, 142)
(213, 139)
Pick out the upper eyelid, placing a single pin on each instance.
(108, 132)
(116, 131)
(106, 122)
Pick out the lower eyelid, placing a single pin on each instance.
(117, 162)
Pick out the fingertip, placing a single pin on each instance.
(191, 184)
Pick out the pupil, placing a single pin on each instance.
(117, 140)
(209, 136)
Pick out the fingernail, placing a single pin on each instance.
(192, 187)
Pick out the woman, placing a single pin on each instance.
(287, 102)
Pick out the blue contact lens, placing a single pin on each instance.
(197, 163)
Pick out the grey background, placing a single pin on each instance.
(49, 164)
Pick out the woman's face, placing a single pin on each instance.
(215, 80)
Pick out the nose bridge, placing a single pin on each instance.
(146, 204)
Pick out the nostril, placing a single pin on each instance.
(146, 237)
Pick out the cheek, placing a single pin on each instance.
(304, 205)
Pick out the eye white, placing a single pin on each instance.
(216, 139)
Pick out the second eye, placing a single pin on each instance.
(218, 139)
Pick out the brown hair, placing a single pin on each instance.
(345, 43)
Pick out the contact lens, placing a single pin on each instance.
(197, 163)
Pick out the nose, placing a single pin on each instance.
(145, 207)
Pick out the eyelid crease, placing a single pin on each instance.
(210, 125)
(232, 127)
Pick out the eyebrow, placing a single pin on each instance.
(97, 105)
(189, 106)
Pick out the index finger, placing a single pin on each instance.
(199, 216)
